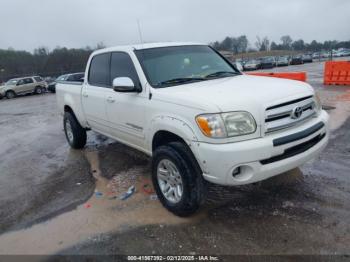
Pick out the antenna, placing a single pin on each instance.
(140, 34)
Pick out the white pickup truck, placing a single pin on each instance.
(197, 116)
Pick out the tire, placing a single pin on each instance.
(38, 90)
(178, 155)
(10, 94)
(75, 133)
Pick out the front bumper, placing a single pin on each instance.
(259, 158)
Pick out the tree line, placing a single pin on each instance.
(241, 44)
(43, 62)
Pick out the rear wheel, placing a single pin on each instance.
(10, 94)
(177, 179)
(75, 133)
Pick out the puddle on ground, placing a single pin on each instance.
(103, 212)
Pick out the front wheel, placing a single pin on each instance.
(75, 133)
(38, 90)
(177, 179)
(10, 94)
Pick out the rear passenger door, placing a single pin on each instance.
(95, 91)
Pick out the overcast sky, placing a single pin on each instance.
(27, 24)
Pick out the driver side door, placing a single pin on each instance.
(20, 86)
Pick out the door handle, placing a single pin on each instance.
(110, 100)
(85, 94)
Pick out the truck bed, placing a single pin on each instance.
(68, 95)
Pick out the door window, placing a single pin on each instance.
(20, 82)
(28, 81)
(99, 70)
(122, 66)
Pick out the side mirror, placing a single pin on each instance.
(124, 84)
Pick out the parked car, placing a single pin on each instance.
(251, 65)
(21, 86)
(296, 60)
(76, 77)
(344, 53)
(267, 62)
(325, 54)
(282, 61)
(198, 117)
(316, 55)
(306, 58)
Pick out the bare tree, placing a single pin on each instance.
(258, 43)
(286, 42)
(262, 44)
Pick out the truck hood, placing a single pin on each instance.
(243, 93)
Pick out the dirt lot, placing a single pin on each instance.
(55, 200)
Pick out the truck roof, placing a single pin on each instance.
(144, 46)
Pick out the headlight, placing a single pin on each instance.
(226, 124)
(318, 104)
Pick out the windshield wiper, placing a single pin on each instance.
(181, 80)
(221, 73)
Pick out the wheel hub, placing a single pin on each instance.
(169, 181)
(69, 131)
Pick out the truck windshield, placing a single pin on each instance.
(175, 65)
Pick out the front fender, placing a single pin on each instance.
(171, 124)
(4, 90)
(177, 126)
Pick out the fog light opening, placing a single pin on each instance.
(236, 171)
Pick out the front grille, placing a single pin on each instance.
(280, 116)
(295, 150)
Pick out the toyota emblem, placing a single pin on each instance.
(297, 112)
